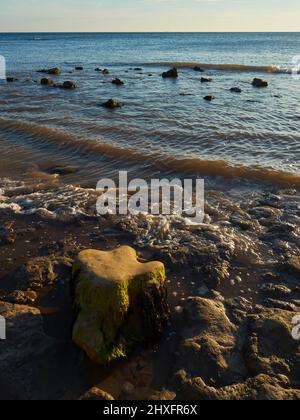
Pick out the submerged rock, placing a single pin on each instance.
(54, 71)
(209, 98)
(118, 82)
(10, 79)
(206, 79)
(199, 69)
(69, 85)
(236, 90)
(47, 82)
(105, 71)
(112, 104)
(173, 73)
(79, 68)
(259, 83)
(121, 302)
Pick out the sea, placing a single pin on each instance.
(165, 128)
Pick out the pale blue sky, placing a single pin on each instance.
(149, 15)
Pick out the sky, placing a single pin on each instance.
(149, 15)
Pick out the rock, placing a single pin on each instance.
(138, 69)
(277, 291)
(41, 272)
(199, 69)
(112, 104)
(54, 71)
(206, 80)
(173, 73)
(236, 90)
(128, 389)
(209, 98)
(98, 70)
(292, 266)
(47, 82)
(96, 394)
(20, 297)
(121, 302)
(68, 85)
(7, 234)
(163, 395)
(10, 79)
(105, 71)
(27, 355)
(259, 83)
(117, 82)
(79, 68)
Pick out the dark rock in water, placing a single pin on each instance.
(55, 71)
(112, 104)
(138, 69)
(69, 85)
(47, 82)
(173, 73)
(209, 98)
(63, 170)
(79, 68)
(10, 79)
(118, 82)
(105, 71)
(98, 69)
(259, 83)
(236, 90)
(199, 69)
(206, 80)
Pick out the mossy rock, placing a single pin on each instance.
(121, 302)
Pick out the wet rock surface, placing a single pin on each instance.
(233, 290)
(170, 74)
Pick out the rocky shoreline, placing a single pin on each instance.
(233, 291)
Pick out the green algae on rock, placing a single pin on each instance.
(121, 302)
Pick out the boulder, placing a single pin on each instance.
(118, 82)
(112, 104)
(10, 79)
(209, 98)
(121, 302)
(69, 85)
(199, 69)
(173, 73)
(236, 90)
(259, 83)
(206, 80)
(98, 69)
(47, 82)
(105, 71)
(27, 355)
(79, 68)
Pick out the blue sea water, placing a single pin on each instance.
(165, 126)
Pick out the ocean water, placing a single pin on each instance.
(165, 127)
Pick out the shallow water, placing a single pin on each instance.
(165, 126)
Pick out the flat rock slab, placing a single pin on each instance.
(121, 302)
